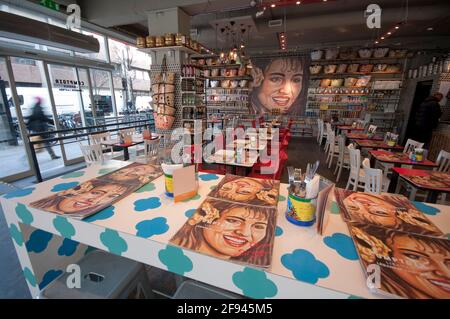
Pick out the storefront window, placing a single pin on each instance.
(33, 94)
(12, 151)
(101, 89)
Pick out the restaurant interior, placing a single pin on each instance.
(206, 149)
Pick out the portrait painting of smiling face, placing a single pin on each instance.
(412, 266)
(84, 199)
(230, 231)
(386, 210)
(247, 190)
(278, 85)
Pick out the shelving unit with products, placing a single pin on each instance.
(226, 85)
(193, 99)
(350, 87)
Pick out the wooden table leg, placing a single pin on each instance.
(432, 197)
(126, 154)
(393, 183)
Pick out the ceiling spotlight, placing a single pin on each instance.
(272, 5)
(430, 29)
(397, 27)
(389, 33)
(382, 38)
(242, 46)
(376, 42)
(298, 2)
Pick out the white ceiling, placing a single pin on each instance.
(307, 25)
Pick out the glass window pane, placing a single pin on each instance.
(101, 89)
(36, 109)
(12, 151)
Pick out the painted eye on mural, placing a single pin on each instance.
(276, 79)
(297, 79)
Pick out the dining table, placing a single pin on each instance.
(135, 140)
(371, 144)
(242, 168)
(304, 263)
(363, 136)
(350, 128)
(433, 182)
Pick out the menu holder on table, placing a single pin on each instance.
(185, 183)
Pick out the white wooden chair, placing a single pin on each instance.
(376, 183)
(372, 129)
(151, 152)
(410, 144)
(92, 153)
(98, 138)
(443, 160)
(333, 149)
(328, 130)
(374, 178)
(356, 178)
(343, 158)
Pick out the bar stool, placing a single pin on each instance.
(103, 276)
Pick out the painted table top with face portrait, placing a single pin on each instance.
(140, 226)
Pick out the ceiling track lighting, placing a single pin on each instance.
(389, 33)
(282, 40)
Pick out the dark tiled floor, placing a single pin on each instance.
(304, 150)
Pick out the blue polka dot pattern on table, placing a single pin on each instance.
(208, 177)
(73, 175)
(254, 283)
(426, 209)
(112, 240)
(175, 260)
(354, 297)
(147, 203)
(16, 234)
(196, 197)
(38, 241)
(334, 208)
(24, 214)
(49, 276)
(304, 266)
(106, 213)
(189, 212)
(64, 227)
(155, 226)
(278, 231)
(68, 247)
(146, 188)
(19, 193)
(29, 276)
(104, 171)
(64, 186)
(343, 244)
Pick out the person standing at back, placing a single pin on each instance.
(427, 118)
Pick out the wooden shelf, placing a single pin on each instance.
(359, 60)
(222, 66)
(168, 48)
(246, 77)
(325, 75)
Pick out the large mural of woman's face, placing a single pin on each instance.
(277, 86)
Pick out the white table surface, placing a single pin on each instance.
(117, 230)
